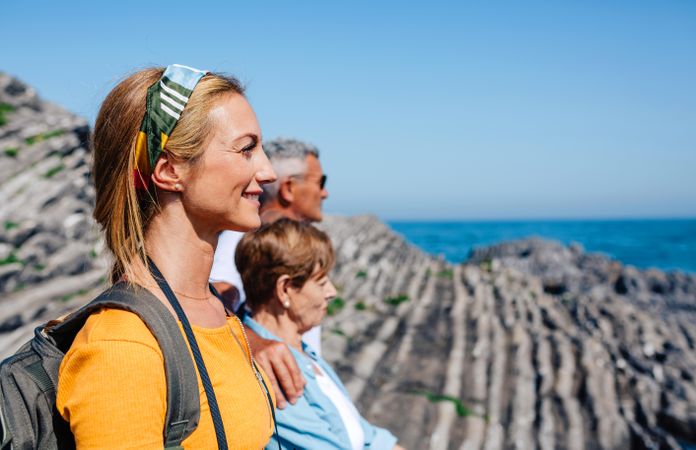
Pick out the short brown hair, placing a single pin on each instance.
(284, 247)
(123, 212)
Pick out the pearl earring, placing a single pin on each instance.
(178, 186)
(286, 304)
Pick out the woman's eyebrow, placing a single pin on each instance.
(254, 138)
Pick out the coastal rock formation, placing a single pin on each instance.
(48, 245)
(572, 270)
(530, 344)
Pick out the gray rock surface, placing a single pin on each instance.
(530, 344)
(49, 247)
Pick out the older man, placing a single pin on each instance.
(297, 194)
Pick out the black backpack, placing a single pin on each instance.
(28, 379)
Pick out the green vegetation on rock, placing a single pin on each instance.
(447, 274)
(4, 109)
(11, 151)
(31, 140)
(361, 306)
(335, 305)
(339, 332)
(361, 274)
(69, 297)
(10, 225)
(10, 259)
(54, 170)
(462, 410)
(396, 300)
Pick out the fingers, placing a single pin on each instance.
(288, 374)
(281, 403)
(281, 375)
(281, 369)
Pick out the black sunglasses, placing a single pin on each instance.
(322, 180)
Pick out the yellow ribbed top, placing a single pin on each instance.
(112, 387)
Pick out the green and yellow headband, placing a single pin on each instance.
(166, 100)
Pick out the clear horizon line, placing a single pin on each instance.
(541, 219)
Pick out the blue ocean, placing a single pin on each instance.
(663, 244)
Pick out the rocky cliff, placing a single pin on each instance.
(49, 251)
(528, 345)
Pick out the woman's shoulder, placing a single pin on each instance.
(110, 325)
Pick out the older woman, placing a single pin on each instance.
(177, 159)
(284, 268)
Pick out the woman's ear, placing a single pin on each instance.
(166, 174)
(283, 290)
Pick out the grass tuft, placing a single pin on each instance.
(396, 300)
(462, 409)
(447, 274)
(54, 170)
(335, 305)
(69, 297)
(11, 151)
(4, 109)
(31, 140)
(10, 259)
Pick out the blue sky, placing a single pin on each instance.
(437, 110)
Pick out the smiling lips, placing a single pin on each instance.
(252, 196)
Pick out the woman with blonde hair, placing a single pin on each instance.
(177, 160)
(285, 270)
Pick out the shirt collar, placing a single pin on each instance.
(264, 333)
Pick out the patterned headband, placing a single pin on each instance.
(166, 100)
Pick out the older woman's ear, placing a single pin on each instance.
(282, 290)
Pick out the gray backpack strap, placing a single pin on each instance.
(183, 402)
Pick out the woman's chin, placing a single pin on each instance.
(249, 222)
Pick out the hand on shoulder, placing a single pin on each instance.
(277, 361)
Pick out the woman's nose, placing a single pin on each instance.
(330, 289)
(265, 173)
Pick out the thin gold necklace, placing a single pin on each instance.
(190, 296)
(207, 297)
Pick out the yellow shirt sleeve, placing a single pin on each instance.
(112, 386)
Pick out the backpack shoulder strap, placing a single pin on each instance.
(183, 402)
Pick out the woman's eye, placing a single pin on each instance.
(248, 150)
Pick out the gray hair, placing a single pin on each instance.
(288, 157)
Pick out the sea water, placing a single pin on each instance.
(663, 244)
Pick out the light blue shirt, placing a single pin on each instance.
(314, 422)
